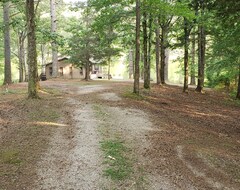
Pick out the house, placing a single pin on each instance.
(99, 71)
(66, 70)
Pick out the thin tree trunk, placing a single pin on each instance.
(43, 70)
(238, 90)
(32, 53)
(137, 56)
(131, 69)
(166, 65)
(201, 59)
(149, 49)
(87, 73)
(7, 48)
(201, 52)
(186, 45)
(163, 48)
(158, 66)
(193, 53)
(54, 44)
(21, 56)
(145, 51)
(109, 68)
(25, 68)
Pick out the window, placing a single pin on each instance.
(71, 72)
(81, 71)
(50, 71)
(96, 67)
(61, 71)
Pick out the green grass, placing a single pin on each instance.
(46, 115)
(119, 166)
(52, 91)
(100, 113)
(10, 91)
(232, 102)
(10, 157)
(117, 159)
(120, 163)
(133, 96)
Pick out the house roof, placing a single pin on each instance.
(59, 59)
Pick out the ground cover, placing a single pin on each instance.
(167, 139)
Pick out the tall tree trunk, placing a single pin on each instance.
(7, 48)
(32, 53)
(109, 68)
(87, 73)
(54, 44)
(166, 65)
(163, 56)
(145, 51)
(193, 53)
(21, 56)
(149, 49)
(201, 59)
(238, 90)
(43, 70)
(201, 52)
(131, 66)
(25, 68)
(186, 46)
(137, 56)
(158, 67)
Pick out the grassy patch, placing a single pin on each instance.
(117, 159)
(120, 162)
(10, 157)
(27, 138)
(52, 91)
(233, 94)
(133, 96)
(15, 91)
(100, 113)
(232, 102)
(46, 115)
(119, 166)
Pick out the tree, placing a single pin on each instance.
(19, 27)
(165, 25)
(7, 48)
(193, 54)
(32, 53)
(224, 62)
(147, 43)
(187, 30)
(54, 44)
(120, 16)
(145, 50)
(201, 48)
(137, 52)
(157, 50)
(86, 46)
(21, 55)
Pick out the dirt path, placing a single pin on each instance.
(76, 162)
(73, 160)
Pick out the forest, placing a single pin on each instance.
(161, 113)
(206, 33)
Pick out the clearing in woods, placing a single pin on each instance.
(98, 135)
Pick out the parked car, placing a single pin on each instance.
(42, 77)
